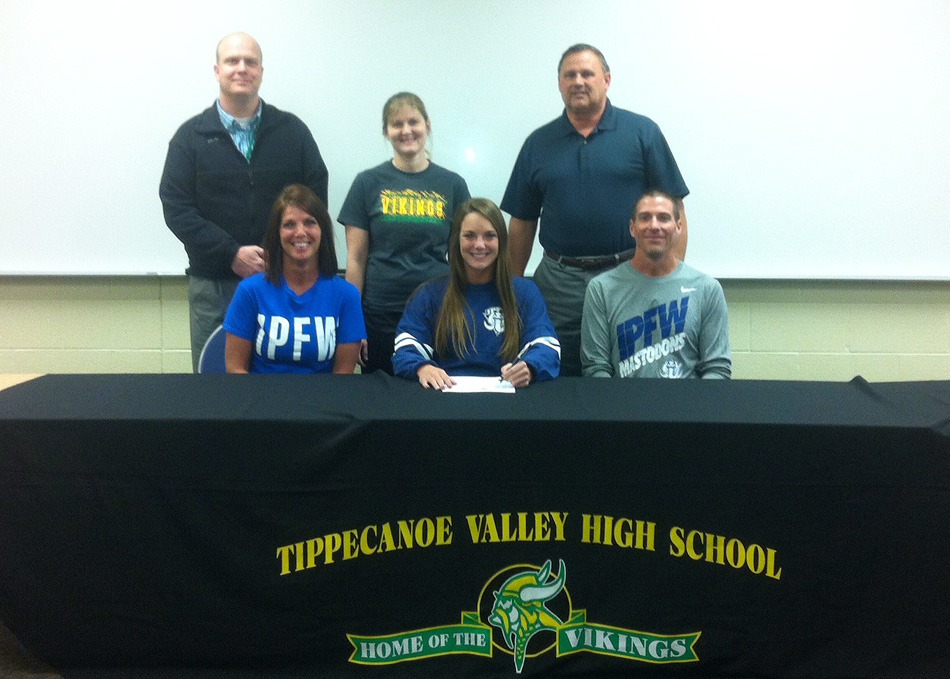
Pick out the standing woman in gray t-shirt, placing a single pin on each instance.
(397, 217)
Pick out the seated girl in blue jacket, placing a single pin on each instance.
(478, 319)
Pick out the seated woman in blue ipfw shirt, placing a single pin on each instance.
(298, 316)
(477, 319)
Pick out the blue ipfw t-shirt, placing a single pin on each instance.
(293, 333)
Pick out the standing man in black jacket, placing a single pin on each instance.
(223, 171)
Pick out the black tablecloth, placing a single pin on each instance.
(362, 526)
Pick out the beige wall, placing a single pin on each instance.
(787, 330)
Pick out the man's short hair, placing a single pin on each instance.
(583, 47)
(217, 48)
(657, 193)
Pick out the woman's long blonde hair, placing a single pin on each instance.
(455, 322)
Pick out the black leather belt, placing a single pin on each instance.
(592, 262)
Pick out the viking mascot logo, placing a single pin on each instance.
(519, 610)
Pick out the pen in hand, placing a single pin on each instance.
(517, 372)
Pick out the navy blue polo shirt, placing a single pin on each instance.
(583, 190)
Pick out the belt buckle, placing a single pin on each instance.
(597, 263)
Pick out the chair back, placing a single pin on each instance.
(212, 354)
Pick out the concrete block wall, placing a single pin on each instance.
(781, 330)
(835, 330)
(83, 324)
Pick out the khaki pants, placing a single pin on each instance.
(208, 301)
(563, 288)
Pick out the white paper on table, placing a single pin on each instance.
(467, 384)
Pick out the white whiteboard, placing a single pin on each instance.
(814, 136)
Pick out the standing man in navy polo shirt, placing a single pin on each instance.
(224, 169)
(580, 175)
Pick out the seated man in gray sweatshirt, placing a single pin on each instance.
(655, 316)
